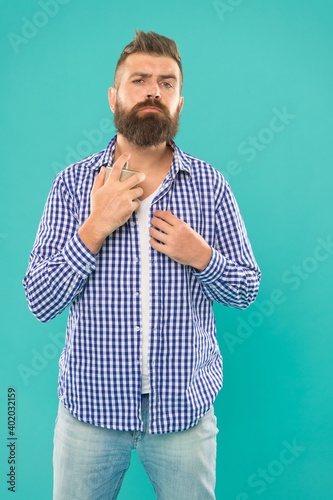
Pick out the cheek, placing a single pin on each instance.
(124, 102)
(175, 102)
(133, 97)
(175, 108)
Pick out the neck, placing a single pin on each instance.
(144, 159)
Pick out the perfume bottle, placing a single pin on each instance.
(125, 173)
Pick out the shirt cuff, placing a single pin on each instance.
(79, 257)
(214, 269)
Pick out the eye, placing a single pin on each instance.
(138, 80)
(166, 85)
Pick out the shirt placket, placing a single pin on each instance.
(137, 317)
(157, 277)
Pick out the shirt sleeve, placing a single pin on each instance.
(60, 263)
(232, 275)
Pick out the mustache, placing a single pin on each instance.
(151, 103)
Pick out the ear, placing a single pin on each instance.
(112, 96)
(181, 104)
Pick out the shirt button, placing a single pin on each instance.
(137, 328)
(137, 294)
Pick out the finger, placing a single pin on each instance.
(118, 166)
(166, 215)
(158, 235)
(136, 192)
(161, 225)
(158, 246)
(136, 204)
(134, 180)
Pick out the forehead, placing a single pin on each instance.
(151, 64)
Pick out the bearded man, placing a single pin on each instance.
(140, 262)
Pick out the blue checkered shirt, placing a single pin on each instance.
(100, 365)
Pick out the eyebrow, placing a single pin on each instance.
(148, 75)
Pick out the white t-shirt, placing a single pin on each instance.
(143, 215)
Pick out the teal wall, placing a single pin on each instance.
(259, 107)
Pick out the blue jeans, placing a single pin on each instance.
(90, 462)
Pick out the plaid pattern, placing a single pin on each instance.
(100, 366)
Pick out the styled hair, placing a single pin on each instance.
(151, 43)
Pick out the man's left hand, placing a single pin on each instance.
(176, 239)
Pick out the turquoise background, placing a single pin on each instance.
(244, 63)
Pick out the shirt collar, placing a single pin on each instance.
(107, 157)
(180, 161)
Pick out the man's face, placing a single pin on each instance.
(146, 99)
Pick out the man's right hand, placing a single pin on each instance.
(112, 204)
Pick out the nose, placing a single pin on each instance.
(153, 92)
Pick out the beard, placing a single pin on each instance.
(150, 129)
